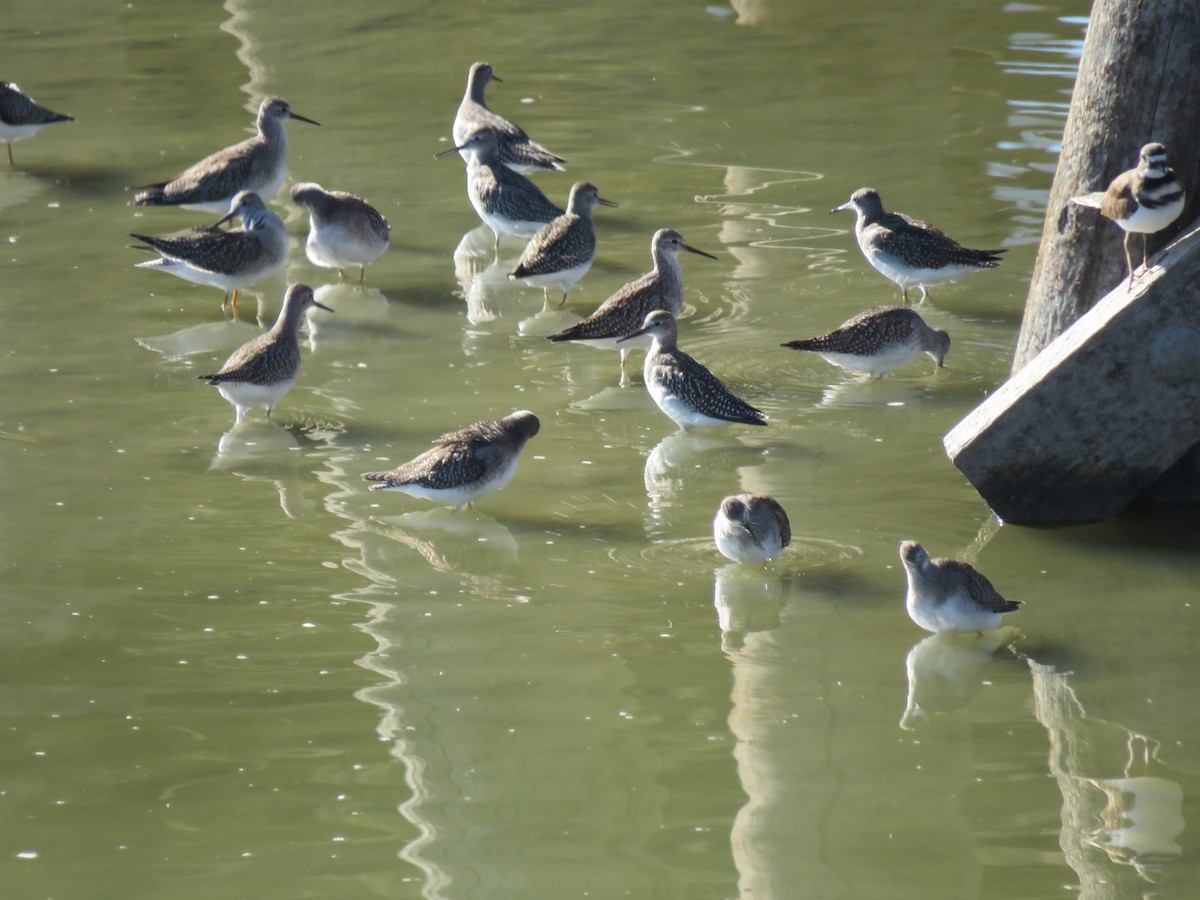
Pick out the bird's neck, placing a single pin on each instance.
(475, 88)
(271, 130)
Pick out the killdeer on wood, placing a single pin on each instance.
(1144, 200)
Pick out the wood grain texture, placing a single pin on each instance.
(1102, 412)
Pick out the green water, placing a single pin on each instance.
(231, 671)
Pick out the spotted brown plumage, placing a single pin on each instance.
(877, 341)
(230, 259)
(688, 393)
(263, 370)
(465, 464)
(908, 251)
(561, 252)
(255, 164)
(516, 150)
(625, 312)
(506, 201)
(22, 117)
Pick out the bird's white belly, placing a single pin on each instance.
(679, 410)
(876, 364)
(907, 277)
(194, 275)
(1149, 221)
(736, 543)
(460, 495)
(335, 248)
(247, 396)
(565, 277)
(11, 133)
(951, 615)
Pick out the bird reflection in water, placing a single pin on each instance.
(261, 450)
(946, 670)
(1142, 814)
(747, 600)
(696, 458)
(452, 543)
(360, 315)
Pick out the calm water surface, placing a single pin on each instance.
(231, 671)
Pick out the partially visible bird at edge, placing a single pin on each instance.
(21, 117)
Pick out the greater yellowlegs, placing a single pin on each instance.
(688, 393)
(516, 149)
(343, 229)
(506, 201)
(908, 251)
(561, 253)
(877, 341)
(1144, 200)
(622, 314)
(465, 465)
(256, 164)
(21, 117)
(225, 259)
(949, 595)
(751, 528)
(264, 368)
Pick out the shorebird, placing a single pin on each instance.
(263, 369)
(622, 314)
(750, 528)
(256, 164)
(1144, 200)
(688, 393)
(226, 259)
(465, 465)
(877, 341)
(561, 253)
(506, 201)
(21, 117)
(948, 595)
(517, 151)
(908, 251)
(343, 229)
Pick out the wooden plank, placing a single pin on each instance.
(1102, 411)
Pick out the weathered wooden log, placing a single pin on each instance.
(1138, 81)
(1102, 412)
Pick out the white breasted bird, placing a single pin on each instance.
(945, 595)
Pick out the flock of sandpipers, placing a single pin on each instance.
(344, 230)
